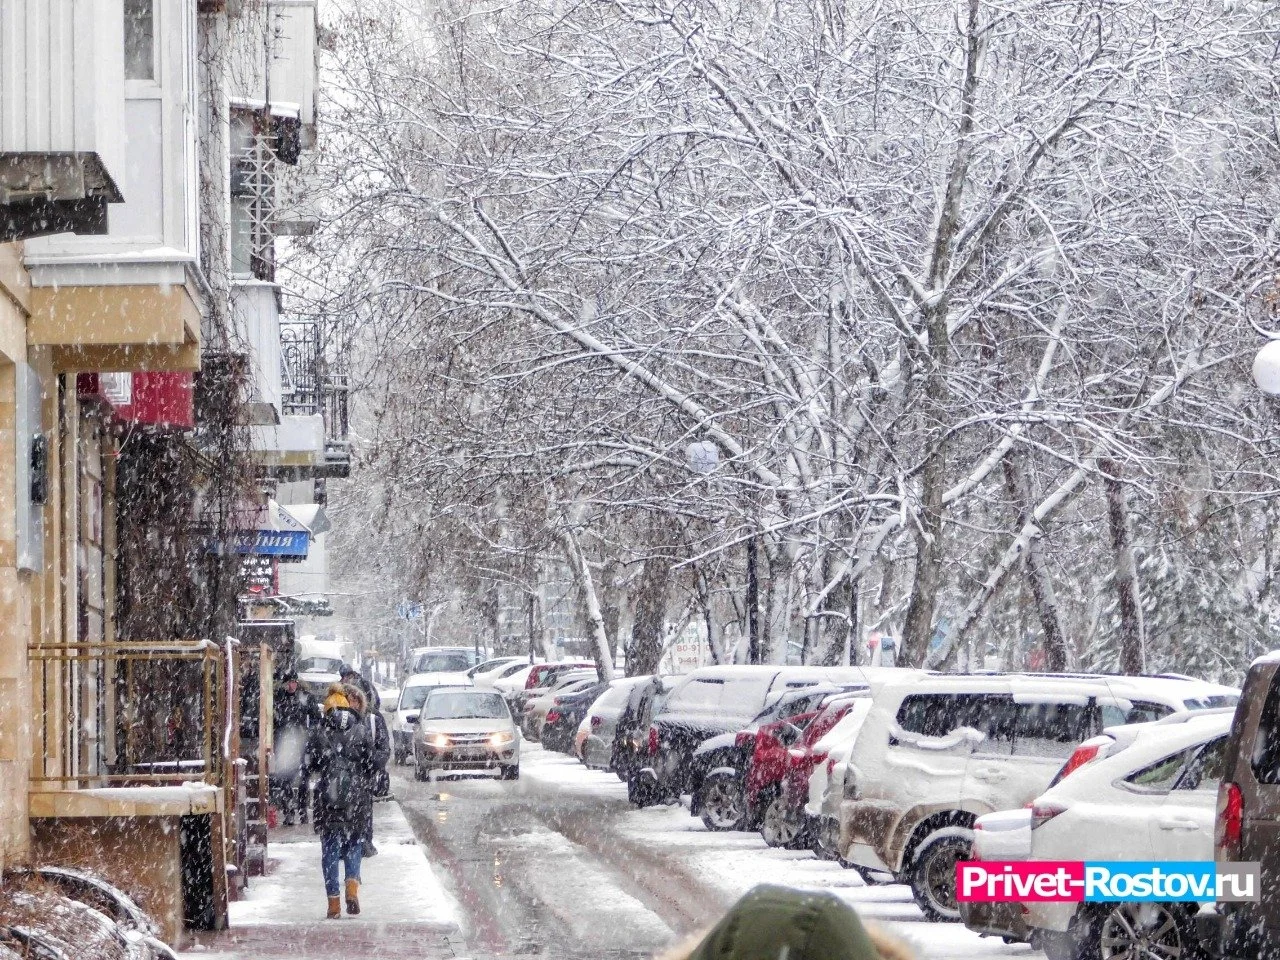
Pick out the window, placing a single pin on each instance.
(464, 705)
(1049, 729)
(1206, 767)
(139, 40)
(935, 714)
(1158, 777)
(441, 663)
(1265, 756)
(1118, 712)
(698, 693)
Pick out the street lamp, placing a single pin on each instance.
(1266, 368)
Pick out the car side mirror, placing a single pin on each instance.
(413, 720)
(789, 734)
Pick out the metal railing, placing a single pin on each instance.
(312, 382)
(128, 714)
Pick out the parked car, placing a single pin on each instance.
(602, 718)
(934, 755)
(711, 702)
(409, 706)
(1153, 797)
(566, 714)
(632, 744)
(1247, 824)
(466, 730)
(549, 683)
(443, 659)
(495, 664)
(516, 686)
(508, 672)
(778, 786)
(825, 788)
(534, 713)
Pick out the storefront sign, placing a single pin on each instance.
(258, 575)
(273, 543)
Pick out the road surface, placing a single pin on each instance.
(559, 865)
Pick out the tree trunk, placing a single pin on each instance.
(581, 568)
(755, 646)
(1055, 641)
(649, 632)
(1132, 659)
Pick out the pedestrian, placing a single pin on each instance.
(771, 922)
(350, 675)
(378, 781)
(340, 752)
(295, 714)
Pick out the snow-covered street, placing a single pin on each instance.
(559, 864)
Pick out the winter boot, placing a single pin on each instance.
(335, 909)
(353, 897)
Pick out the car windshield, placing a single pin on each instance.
(441, 663)
(412, 697)
(320, 665)
(465, 705)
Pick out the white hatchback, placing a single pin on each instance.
(1154, 798)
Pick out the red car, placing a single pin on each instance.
(783, 821)
(768, 761)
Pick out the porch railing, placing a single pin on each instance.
(128, 714)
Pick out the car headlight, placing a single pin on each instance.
(501, 737)
(440, 741)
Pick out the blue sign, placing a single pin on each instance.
(273, 543)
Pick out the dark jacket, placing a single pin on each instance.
(379, 781)
(771, 922)
(297, 709)
(340, 752)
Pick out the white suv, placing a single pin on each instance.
(1153, 797)
(936, 753)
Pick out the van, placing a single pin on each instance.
(1247, 822)
(935, 754)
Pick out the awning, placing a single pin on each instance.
(310, 515)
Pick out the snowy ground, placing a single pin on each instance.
(735, 862)
(399, 885)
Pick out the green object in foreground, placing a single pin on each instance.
(778, 923)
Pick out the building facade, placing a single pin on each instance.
(146, 417)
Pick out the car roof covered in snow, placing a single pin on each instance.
(1171, 690)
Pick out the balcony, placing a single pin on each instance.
(316, 385)
(275, 63)
(108, 108)
(62, 77)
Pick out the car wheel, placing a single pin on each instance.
(776, 827)
(509, 771)
(723, 805)
(1161, 931)
(933, 872)
(642, 789)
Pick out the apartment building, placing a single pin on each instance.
(142, 145)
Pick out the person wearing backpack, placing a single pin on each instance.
(340, 752)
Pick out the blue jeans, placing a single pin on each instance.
(339, 845)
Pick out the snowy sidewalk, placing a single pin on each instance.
(404, 910)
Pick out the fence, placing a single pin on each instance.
(129, 714)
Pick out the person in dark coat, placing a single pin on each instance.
(350, 675)
(340, 752)
(296, 714)
(378, 781)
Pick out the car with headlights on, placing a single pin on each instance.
(466, 730)
(404, 719)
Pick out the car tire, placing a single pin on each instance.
(723, 802)
(642, 790)
(510, 771)
(933, 872)
(777, 828)
(1117, 930)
